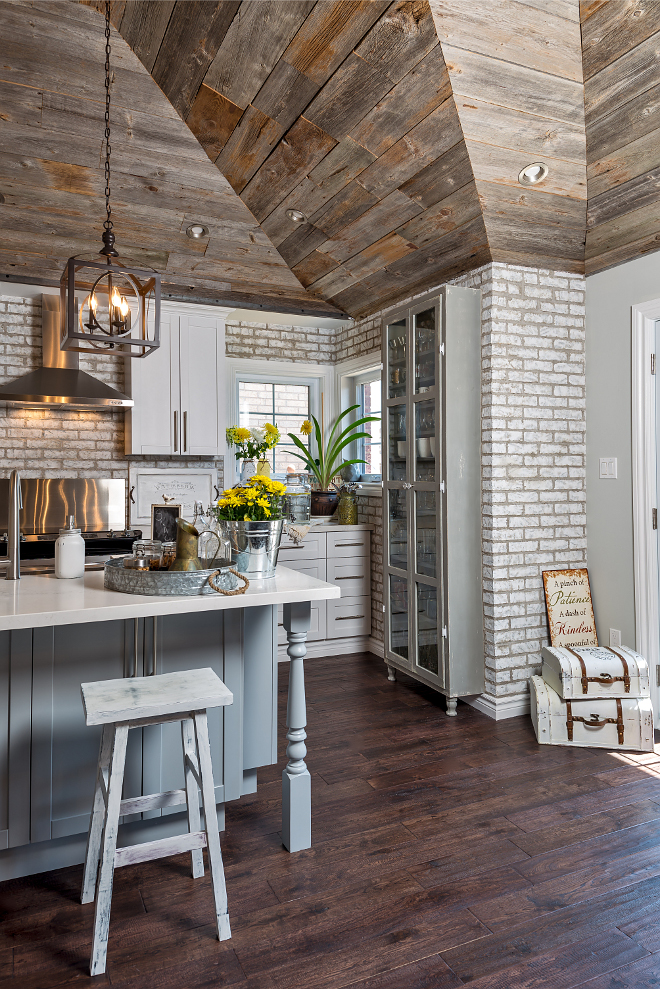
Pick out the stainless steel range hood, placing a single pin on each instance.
(60, 382)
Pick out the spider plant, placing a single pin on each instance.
(329, 460)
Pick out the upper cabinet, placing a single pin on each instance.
(179, 390)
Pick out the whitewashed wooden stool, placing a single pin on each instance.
(119, 705)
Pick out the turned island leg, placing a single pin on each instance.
(296, 781)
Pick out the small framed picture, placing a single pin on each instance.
(163, 522)
(570, 611)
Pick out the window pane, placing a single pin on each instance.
(287, 405)
(370, 449)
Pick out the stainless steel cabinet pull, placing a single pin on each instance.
(185, 432)
(358, 576)
(347, 618)
(349, 544)
(176, 432)
(406, 485)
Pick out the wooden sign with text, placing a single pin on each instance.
(570, 611)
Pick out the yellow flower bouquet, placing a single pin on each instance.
(260, 500)
(252, 444)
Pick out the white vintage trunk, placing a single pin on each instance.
(605, 673)
(551, 716)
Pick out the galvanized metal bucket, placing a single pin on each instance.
(254, 546)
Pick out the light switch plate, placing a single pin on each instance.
(608, 467)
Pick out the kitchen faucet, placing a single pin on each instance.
(12, 561)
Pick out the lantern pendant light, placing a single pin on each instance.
(107, 307)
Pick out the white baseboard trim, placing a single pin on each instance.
(499, 708)
(331, 647)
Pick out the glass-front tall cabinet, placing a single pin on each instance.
(432, 492)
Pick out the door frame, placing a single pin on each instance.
(645, 487)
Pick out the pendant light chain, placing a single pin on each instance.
(108, 220)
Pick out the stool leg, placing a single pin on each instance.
(96, 821)
(211, 821)
(192, 793)
(106, 873)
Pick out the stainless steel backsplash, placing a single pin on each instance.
(97, 504)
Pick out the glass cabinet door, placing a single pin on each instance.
(413, 492)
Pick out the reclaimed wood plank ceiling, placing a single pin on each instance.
(397, 129)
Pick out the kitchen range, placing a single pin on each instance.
(97, 505)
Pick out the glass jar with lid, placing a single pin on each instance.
(298, 497)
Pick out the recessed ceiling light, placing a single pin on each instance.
(533, 174)
(296, 216)
(196, 231)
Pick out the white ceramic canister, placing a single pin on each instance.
(70, 551)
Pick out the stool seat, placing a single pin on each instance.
(135, 699)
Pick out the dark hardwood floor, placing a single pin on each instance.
(447, 852)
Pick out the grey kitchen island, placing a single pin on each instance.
(56, 634)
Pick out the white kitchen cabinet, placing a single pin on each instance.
(179, 390)
(341, 555)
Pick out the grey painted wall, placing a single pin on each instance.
(610, 295)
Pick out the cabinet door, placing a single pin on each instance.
(64, 750)
(201, 354)
(15, 722)
(153, 425)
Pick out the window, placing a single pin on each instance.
(287, 404)
(368, 397)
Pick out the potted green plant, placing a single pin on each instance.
(329, 459)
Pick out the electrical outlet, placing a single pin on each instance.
(615, 638)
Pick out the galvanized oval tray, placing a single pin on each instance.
(165, 582)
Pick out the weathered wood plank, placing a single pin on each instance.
(303, 147)
(514, 32)
(493, 164)
(383, 218)
(420, 92)
(20, 105)
(635, 119)
(627, 228)
(195, 31)
(329, 34)
(529, 205)
(615, 29)
(644, 190)
(439, 179)
(570, 9)
(516, 86)
(343, 209)
(187, 269)
(346, 161)
(277, 224)
(589, 7)
(400, 39)
(212, 120)
(347, 97)
(424, 144)
(285, 94)
(313, 267)
(257, 37)
(385, 251)
(505, 234)
(249, 145)
(633, 73)
(624, 164)
(459, 251)
(448, 214)
(143, 27)
(304, 239)
(537, 136)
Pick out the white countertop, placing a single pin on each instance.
(37, 601)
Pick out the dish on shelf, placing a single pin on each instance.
(423, 447)
(401, 449)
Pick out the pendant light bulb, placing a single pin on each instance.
(116, 299)
(123, 307)
(92, 302)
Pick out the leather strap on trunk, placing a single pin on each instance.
(604, 678)
(594, 721)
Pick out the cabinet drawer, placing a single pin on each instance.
(316, 628)
(352, 576)
(348, 616)
(349, 544)
(311, 548)
(312, 568)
